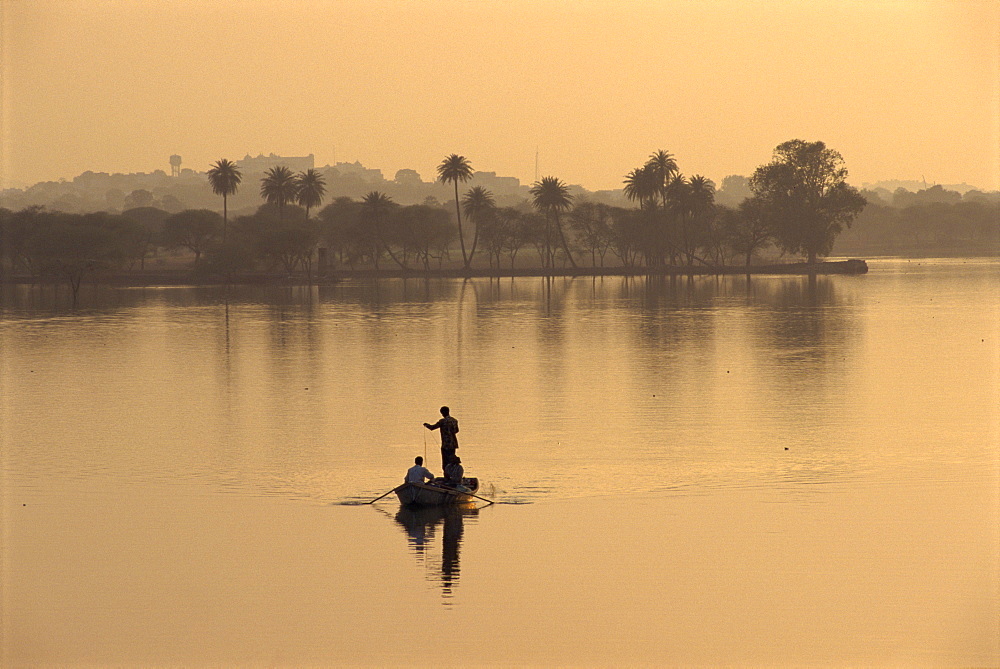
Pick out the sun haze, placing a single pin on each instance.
(904, 90)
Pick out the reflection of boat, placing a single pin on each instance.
(420, 524)
(436, 494)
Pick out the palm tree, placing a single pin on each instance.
(310, 189)
(225, 179)
(453, 169)
(279, 187)
(551, 196)
(641, 186)
(664, 169)
(375, 208)
(479, 206)
(678, 202)
(664, 172)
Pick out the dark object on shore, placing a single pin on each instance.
(853, 266)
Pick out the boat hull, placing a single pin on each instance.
(421, 494)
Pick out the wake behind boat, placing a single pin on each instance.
(437, 493)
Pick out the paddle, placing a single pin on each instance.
(478, 497)
(381, 496)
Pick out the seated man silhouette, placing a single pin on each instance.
(417, 473)
(454, 472)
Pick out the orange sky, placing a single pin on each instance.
(904, 89)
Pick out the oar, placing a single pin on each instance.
(381, 496)
(478, 497)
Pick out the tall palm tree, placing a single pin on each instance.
(641, 186)
(225, 179)
(678, 201)
(551, 196)
(664, 169)
(310, 189)
(279, 187)
(455, 169)
(375, 208)
(479, 206)
(701, 204)
(702, 192)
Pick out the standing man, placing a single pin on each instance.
(449, 428)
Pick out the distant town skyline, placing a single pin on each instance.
(903, 90)
(257, 165)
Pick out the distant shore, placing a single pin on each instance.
(184, 277)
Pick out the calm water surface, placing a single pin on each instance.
(781, 471)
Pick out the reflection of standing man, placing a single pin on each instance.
(449, 428)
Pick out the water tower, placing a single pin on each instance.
(175, 166)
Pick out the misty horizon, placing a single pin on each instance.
(902, 90)
(887, 183)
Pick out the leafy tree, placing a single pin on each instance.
(375, 210)
(592, 224)
(193, 229)
(16, 229)
(426, 229)
(139, 198)
(455, 169)
(340, 228)
(225, 258)
(804, 194)
(479, 207)
(746, 229)
(287, 239)
(310, 189)
(225, 179)
(150, 218)
(538, 234)
(551, 197)
(517, 228)
(279, 187)
(73, 245)
(629, 232)
(171, 203)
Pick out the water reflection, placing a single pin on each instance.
(421, 526)
(806, 319)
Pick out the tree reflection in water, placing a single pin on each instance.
(421, 524)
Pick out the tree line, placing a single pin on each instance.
(799, 203)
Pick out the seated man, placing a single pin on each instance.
(454, 472)
(417, 473)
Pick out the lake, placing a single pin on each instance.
(780, 471)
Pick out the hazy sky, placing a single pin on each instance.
(904, 89)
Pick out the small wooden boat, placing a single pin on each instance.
(436, 493)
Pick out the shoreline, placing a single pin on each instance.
(185, 277)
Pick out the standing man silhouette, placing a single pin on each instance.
(449, 428)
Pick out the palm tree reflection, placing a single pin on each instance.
(421, 524)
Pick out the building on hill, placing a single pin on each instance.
(356, 169)
(262, 163)
(491, 182)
